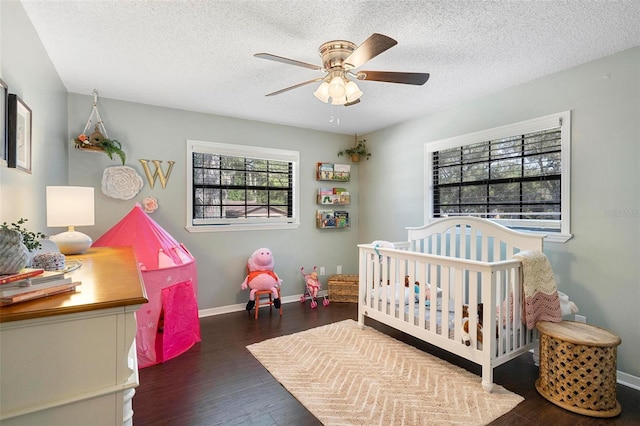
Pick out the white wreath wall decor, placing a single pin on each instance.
(121, 182)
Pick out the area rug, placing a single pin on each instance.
(346, 375)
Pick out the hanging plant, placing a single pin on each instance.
(111, 147)
(358, 151)
(99, 140)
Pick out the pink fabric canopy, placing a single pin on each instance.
(155, 248)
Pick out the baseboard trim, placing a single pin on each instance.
(623, 378)
(202, 313)
(628, 380)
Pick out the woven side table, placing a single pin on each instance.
(578, 368)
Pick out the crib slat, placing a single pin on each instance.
(462, 237)
(473, 241)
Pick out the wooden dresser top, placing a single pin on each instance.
(110, 278)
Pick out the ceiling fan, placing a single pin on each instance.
(340, 58)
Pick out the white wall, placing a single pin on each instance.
(599, 267)
(28, 72)
(154, 133)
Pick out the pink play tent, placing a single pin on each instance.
(168, 324)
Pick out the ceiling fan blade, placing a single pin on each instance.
(287, 61)
(416, 78)
(369, 49)
(286, 89)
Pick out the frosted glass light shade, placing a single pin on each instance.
(352, 91)
(322, 93)
(70, 206)
(339, 101)
(336, 87)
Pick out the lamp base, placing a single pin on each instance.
(72, 242)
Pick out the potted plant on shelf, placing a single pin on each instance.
(98, 142)
(111, 147)
(358, 151)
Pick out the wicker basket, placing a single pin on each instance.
(578, 368)
(343, 288)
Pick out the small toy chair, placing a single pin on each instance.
(261, 298)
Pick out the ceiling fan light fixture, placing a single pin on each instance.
(339, 101)
(352, 91)
(322, 92)
(336, 87)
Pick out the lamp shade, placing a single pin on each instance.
(70, 206)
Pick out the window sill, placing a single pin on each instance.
(244, 227)
(557, 238)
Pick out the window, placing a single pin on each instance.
(516, 175)
(237, 187)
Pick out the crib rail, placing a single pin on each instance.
(449, 283)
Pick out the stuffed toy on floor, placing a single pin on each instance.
(261, 277)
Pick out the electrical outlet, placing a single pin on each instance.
(581, 318)
(322, 270)
(339, 269)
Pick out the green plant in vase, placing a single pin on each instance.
(30, 239)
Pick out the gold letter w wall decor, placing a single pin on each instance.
(158, 173)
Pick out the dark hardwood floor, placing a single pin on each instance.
(218, 382)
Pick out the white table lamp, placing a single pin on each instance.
(70, 206)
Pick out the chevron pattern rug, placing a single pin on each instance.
(346, 375)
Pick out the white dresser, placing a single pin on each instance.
(70, 359)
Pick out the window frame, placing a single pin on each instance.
(562, 120)
(242, 224)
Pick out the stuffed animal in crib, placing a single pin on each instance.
(416, 290)
(261, 277)
(465, 324)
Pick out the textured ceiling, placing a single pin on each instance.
(198, 55)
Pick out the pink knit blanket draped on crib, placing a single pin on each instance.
(540, 292)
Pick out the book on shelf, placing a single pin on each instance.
(325, 218)
(345, 198)
(341, 172)
(332, 219)
(23, 274)
(325, 171)
(341, 218)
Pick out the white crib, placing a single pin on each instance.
(465, 261)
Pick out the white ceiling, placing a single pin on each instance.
(198, 55)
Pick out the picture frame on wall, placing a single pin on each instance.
(19, 134)
(4, 100)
